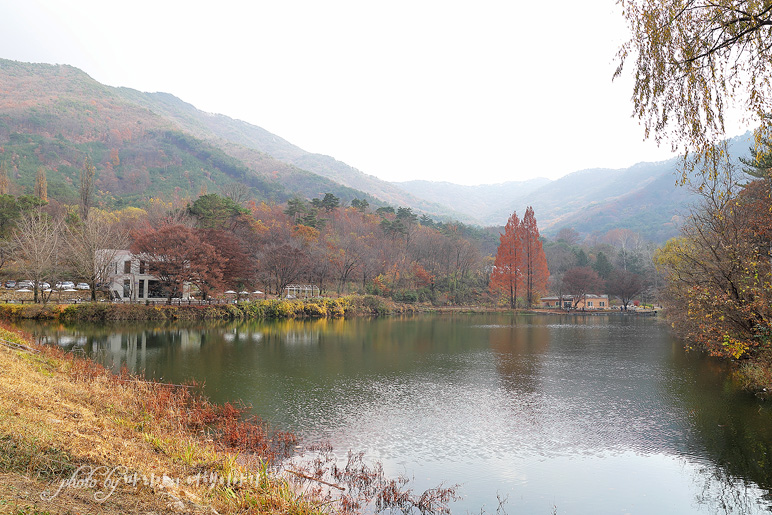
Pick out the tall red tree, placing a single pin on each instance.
(507, 275)
(535, 269)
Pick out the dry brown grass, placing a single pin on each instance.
(76, 438)
(62, 415)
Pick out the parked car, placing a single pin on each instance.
(82, 286)
(44, 285)
(65, 285)
(10, 284)
(24, 284)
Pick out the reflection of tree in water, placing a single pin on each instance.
(517, 349)
(722, 493)
(732, 428)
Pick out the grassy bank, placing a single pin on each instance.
(75, 438)
(349, 306)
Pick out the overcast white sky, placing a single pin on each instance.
(437, 90)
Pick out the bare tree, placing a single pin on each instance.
(92, 246)
(7, 252)
(38, 240)
(237, 192)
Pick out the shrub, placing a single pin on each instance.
(375, 305)
(405, 296)
(315, 310)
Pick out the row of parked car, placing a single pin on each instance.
(64, 285)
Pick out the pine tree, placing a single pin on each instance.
(507, 276)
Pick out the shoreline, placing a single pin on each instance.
(78, 438)
(341, 307)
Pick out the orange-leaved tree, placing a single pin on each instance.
(507, 275)
(535, 271)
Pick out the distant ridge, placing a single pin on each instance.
(643, 198)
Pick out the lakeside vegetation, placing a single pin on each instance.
(690, 73)
(73, 434)
(349, 306)
(62, 416)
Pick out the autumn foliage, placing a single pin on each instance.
(520, 267)
(718, 272)
(176, 255)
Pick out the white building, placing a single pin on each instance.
(129, 278)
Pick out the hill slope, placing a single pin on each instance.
(643, 197)
(154, 144)
(484, 202)
(238, 137)
(52, 116)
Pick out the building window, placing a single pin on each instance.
(589, 304)
(602, 304)
(126, 288)
(154, 289)
(141, 267)
(127, 267)
(141, 288)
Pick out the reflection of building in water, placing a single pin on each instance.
(190, 340)
(125, 349)
(238, 335)
(301, 337)
(68, 341)
(130, 349)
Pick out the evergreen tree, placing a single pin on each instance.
(602, 266)
(581, 258)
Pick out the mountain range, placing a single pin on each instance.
(156, 145)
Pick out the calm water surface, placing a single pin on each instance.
(587, 415)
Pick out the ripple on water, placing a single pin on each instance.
(457, 417)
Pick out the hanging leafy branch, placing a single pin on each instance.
(692, 61)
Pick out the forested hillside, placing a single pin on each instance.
(252, 144)
(148, 145)
(52, 117)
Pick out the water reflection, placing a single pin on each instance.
(589, 414)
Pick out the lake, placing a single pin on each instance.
(566, 414)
